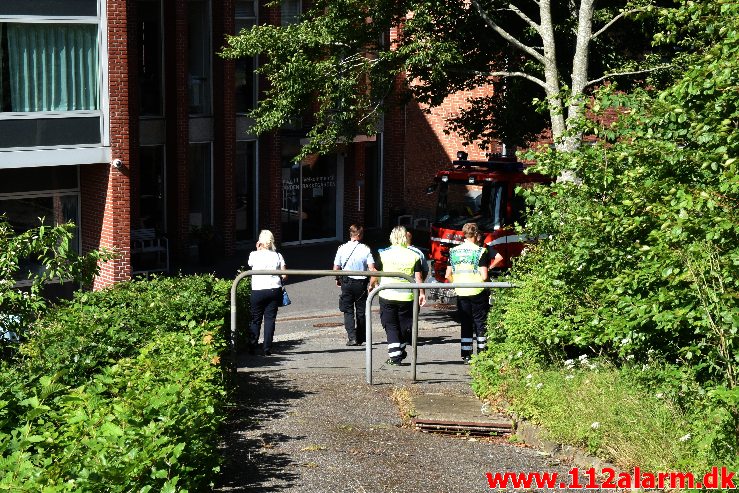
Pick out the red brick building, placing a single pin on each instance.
(141, 133)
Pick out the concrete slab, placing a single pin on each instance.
(457, 414)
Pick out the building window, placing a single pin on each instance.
(150, 57)
(290, 11)
(246, 191)
(32, 197)
(49, 67)
(152, 188)
(246, 78)
(201, 185)
(199, 56)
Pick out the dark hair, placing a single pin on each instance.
(355, 231)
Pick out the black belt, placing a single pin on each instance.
(351, 279)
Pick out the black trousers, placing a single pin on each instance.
(352, 303)
(264, 303)
(397, 320)
(473, 314)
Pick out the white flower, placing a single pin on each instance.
(625, 341)
(583, 357)
(569, 364)
(629, 357)
(579, 267)
(539, 385)
(529, 376)
(685, 438)
(519, 354)
(659, 395)
(595, 425)
(569, 377)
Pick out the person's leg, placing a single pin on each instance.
(464, 308)
(359, 304)
(405, 318)
(257, 312)
(389, 319)
(480, 308)
(346, 305)
(271, 305)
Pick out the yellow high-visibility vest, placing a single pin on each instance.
(465, 262)
(397, 259)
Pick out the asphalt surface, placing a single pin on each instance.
(305, 420)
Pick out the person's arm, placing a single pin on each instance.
(421, 292)
(283, 267)
(483, 265)
(448, 276)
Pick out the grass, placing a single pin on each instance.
(401, 396)
(603, 411)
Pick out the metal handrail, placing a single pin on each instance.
(414, 341)
(303, 272)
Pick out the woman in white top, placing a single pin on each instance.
(266, 290)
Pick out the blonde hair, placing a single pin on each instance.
(267, 239)
(470, 230)
(397, 236)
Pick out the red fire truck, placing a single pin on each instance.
(481, 192)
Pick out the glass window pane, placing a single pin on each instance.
(199, 55)
(152, 191)
(21, 180)
(52, 67)
(71, 8)
(201, 173)
(150, 57)
(290, 11)
(246, 190)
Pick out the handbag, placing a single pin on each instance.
(285, 298)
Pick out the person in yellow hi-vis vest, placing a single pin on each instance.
(469, 262)
(396, 305)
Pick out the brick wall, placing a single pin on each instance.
(354, 171)
(105, 191)
(225, 128)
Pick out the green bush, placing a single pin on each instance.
(642, 255)
(119, 390)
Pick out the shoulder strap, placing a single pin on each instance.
(350, 256)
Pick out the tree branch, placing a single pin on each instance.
(523, 16)
(619, 74)
(522, 75)
(507, 36)
(613, 21)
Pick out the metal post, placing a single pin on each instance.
(415, 287)
(304, 272)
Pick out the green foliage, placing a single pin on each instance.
(643, 251)
(119, 390)
(338, 65)
(51, 250)
(608, 412)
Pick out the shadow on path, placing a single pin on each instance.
(250, 464)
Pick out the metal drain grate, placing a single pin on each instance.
(329, 324)
(463, 428)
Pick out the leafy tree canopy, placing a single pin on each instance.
(339, 64)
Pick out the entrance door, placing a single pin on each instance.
(310, 199)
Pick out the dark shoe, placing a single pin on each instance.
(466, 360)
(403, 356)
(268, 352)
(392, 362)
(352, 342)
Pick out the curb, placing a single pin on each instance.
(532, 435)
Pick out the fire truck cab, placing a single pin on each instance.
(482, 192)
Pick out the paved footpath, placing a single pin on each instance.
(306, 420)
